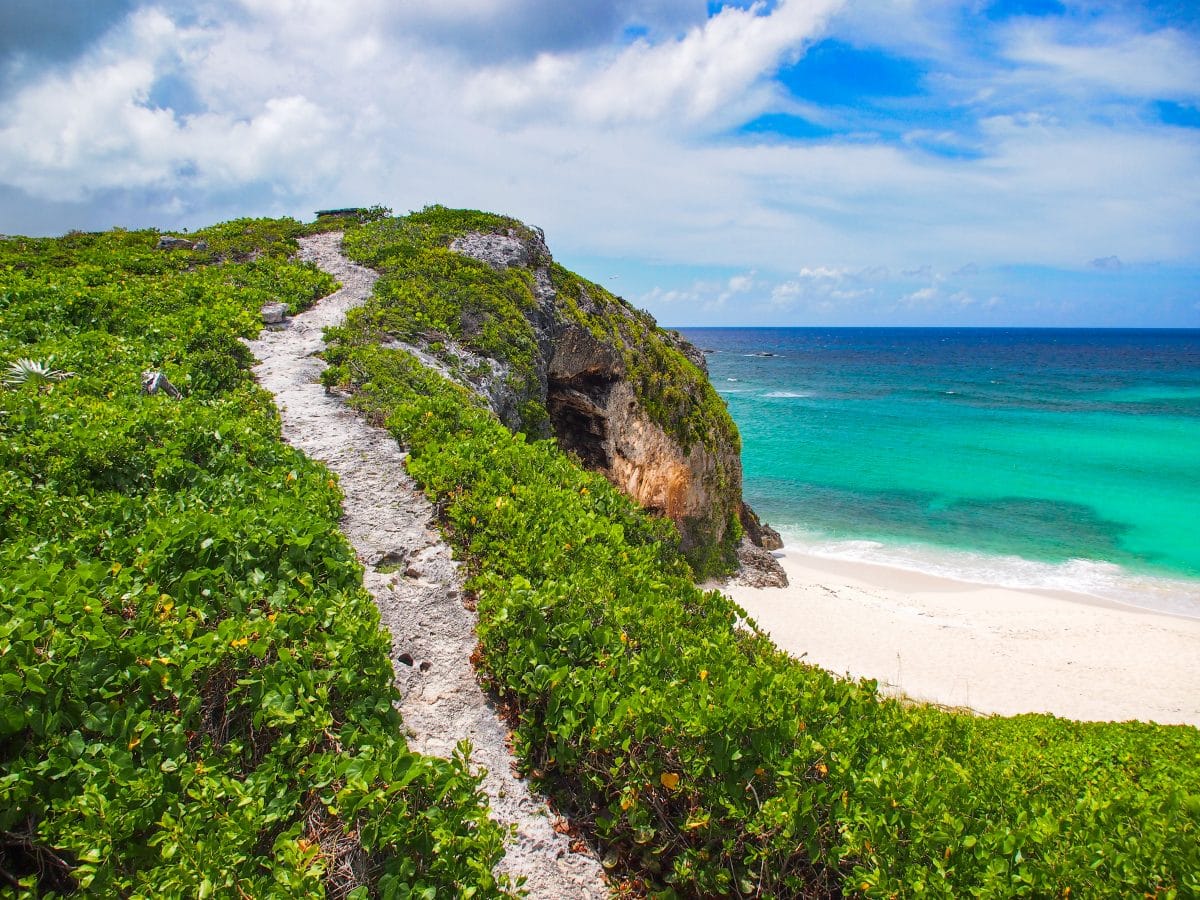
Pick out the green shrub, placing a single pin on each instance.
(195, 694)
(708, 763)
(429, 295)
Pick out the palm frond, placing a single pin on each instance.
(31, 371)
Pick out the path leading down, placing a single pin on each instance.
(419, 592)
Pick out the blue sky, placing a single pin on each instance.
(920, 162)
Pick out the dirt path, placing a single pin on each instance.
(414, 581)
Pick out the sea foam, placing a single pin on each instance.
(1103, 580)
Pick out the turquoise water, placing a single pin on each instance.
(1039, 458)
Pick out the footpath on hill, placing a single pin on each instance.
(414, 582)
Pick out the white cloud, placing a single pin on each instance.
(93, 129)
(1163, 64)
(615, 148)
(703, 294)
(691, 79)
(824, 290)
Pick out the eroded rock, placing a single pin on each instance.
(629, 399)
(760, 533)
(758, 568)
(502, 250)
(274, 313)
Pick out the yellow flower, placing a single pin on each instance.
(822, 769)
(239, 642)
(624, 638)
(704, 674)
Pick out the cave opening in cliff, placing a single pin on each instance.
(578, 409)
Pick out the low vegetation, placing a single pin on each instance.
(708, 763)
(195, 695)
(432, 297)
(197, 699)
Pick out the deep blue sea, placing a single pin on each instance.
(1064, 459)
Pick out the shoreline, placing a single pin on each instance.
(990, 649)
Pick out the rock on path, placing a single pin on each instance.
(413, 579)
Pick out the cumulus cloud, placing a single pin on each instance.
(92, 129)
(825, 292)
(703, 294)
(616, 131)
(691, 78)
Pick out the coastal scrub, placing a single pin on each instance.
(195, 694)
(708, 763)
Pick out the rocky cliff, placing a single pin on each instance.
(480, 298)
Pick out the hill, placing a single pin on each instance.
(197, 697)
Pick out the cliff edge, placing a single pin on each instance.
(479, 297)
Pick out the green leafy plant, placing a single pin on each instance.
(29, 371)
(196, 698)
(431, 297)
(708, 763)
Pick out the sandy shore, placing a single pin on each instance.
(990, 649)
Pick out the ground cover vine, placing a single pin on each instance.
(195, 695)
(708, 763)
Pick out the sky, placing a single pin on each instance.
(783, 162)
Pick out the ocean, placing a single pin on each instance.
(1033, 458)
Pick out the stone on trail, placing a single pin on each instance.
(274, 313)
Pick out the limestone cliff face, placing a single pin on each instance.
(631, 401)
(596, 413)
(555, 355)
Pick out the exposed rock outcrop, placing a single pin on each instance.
(597, 411)
(555, 355)
(169, 242)
(509, 248)
(759, 533)
(757, 567)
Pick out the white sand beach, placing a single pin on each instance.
(989, 649)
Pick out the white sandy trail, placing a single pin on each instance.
(419, 593)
